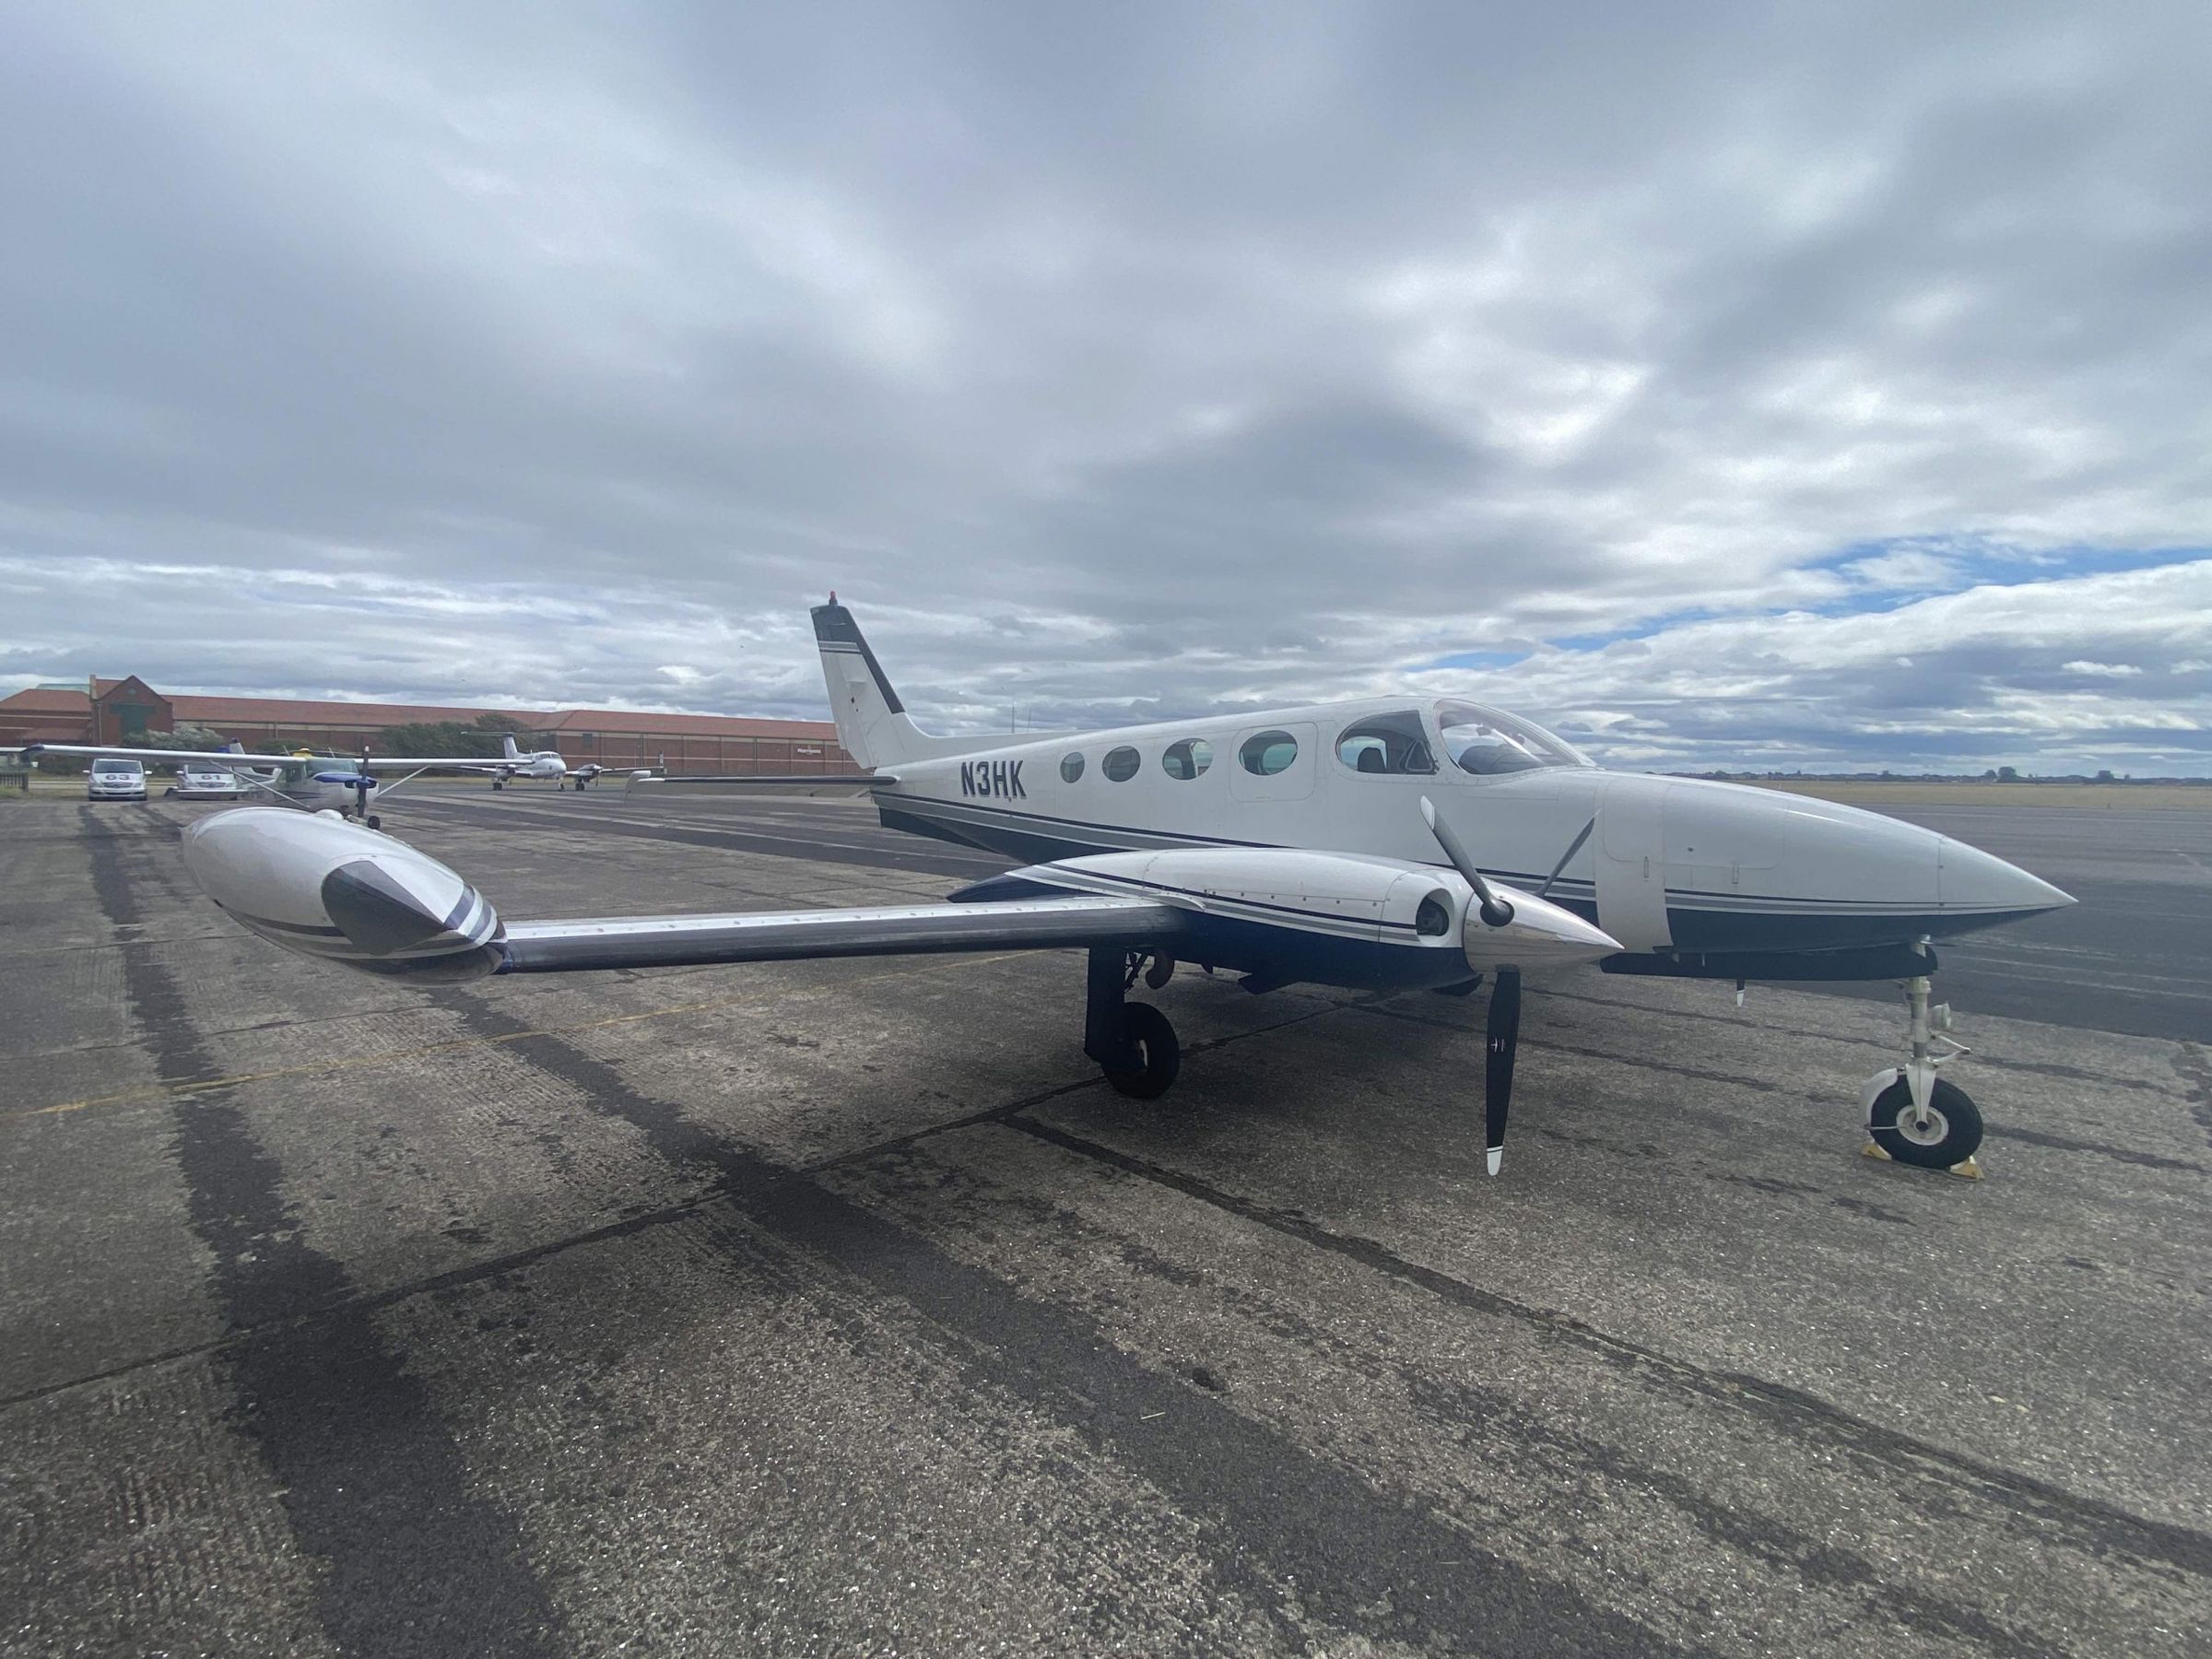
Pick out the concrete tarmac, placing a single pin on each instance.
(830, 1308)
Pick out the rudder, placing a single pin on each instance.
(872, 722)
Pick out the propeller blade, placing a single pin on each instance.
(1573, 847)
(1495, 911)
(1504, 1042)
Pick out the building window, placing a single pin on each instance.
(1265, 753)
(1119, 764)
(1185, 759)
(1071, 768)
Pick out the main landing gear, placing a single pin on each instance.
(1131, 1042)
(1912, 1115)
(1136, 1048)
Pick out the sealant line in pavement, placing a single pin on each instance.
(2097, 1524)
(157, 1093)
(372, 1484)
(1269, 1509)
(454, 1279)
(2148, 1160)
(794, 845)
(997, 1114)
(493, 1266)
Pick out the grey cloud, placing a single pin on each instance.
(1107, 361)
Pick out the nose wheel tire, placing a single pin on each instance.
(1148, 1030)
(1947, 1135)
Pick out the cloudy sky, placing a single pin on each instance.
(1767, 384)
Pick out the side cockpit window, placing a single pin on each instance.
(1392, 743)
(1489, 741)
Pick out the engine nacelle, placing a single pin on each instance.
(1386, 902)
(326, 889)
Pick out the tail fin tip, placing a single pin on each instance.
(836, 632)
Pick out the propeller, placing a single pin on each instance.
(1501, 1041)
(1495, 911)
(1501, 1036)
(1573, 847)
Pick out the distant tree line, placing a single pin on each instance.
(476, 739)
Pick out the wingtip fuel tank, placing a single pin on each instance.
(338, 892)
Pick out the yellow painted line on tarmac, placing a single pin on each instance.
(157, 1092)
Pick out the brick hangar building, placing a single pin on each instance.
(123, 711)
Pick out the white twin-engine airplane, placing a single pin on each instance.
(1388, 844)
(541, 765)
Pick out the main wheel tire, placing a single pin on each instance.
(1949, 1137)
(374, 822)
(1146, 1029)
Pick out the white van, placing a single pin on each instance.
(115, 781)
(196, 780)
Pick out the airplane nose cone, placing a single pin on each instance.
(1971, 879)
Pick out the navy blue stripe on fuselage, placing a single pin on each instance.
(1171, 837)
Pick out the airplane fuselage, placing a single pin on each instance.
(1675, 868)
(545, 765)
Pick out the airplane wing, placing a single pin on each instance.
(222, 759)
(231, 760)
(452, 762)
(326, 889)
(816, 784)
(335, 890)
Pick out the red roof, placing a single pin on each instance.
(684, 726)
(286, 711)
(39, 701)
(220, 712)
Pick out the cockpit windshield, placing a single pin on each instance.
(1488, 742)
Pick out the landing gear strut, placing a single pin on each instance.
(1914, 1116)
(1131, 1042)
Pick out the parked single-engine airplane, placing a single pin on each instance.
(1391, 844)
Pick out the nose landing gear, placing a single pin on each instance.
(1914, 1117)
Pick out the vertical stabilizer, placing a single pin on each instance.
(871, 723)
(507, 747)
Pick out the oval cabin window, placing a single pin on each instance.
(1120, 765)
(1265, 753)
(1187, 758)
(1071, 768)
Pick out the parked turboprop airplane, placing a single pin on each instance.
(1392, 843)
(541, 765)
